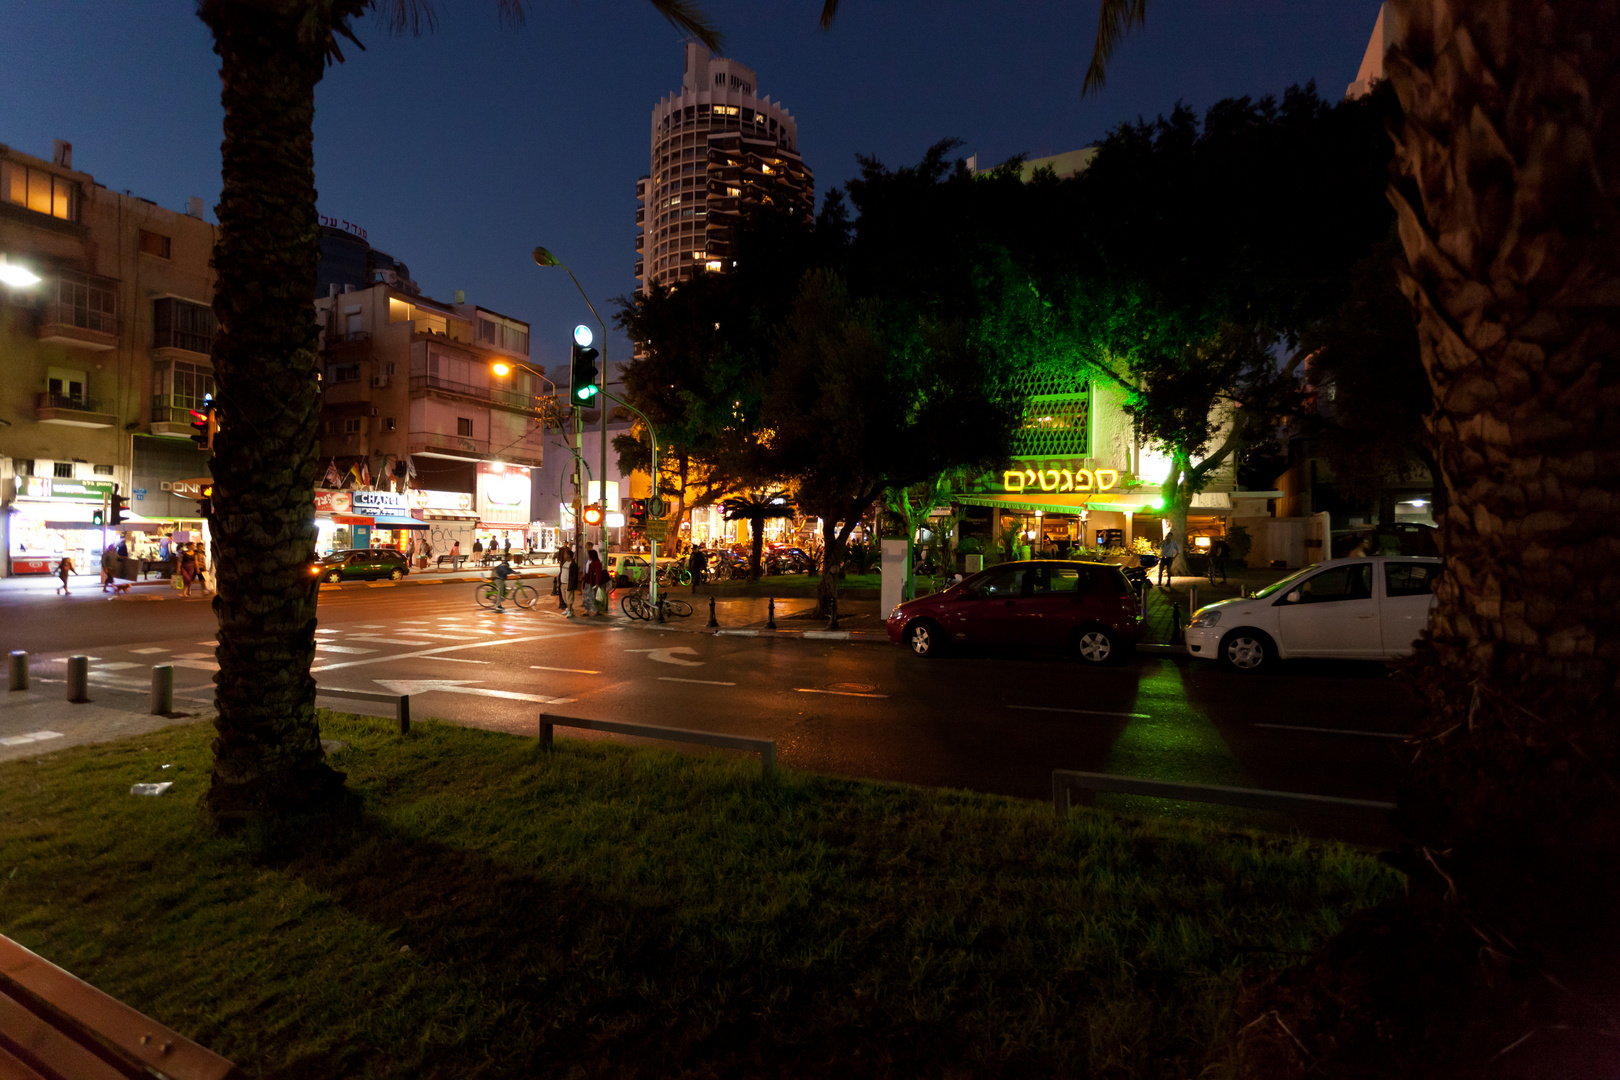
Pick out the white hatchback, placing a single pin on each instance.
(1354, 609)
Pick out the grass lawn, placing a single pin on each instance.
(606, 911)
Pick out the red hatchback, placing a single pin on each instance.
(1085, 608)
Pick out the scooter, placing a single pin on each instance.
(1138, 575)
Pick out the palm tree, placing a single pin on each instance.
(267, 757)
(1506, 182)
(757, 508)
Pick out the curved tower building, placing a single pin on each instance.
(717, 149)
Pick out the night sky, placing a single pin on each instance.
(461, 150)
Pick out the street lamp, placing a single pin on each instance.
(544, 258)
(16, 275)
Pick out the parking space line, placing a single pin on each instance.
(713, 682)
(840, 693)
(570, 670)
(1083, 712)
(1336, 731)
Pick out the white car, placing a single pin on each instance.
(1355, 609)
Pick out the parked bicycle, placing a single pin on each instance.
(637, 604)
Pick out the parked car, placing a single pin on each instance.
(1390, 538)
(1083, 607)
(1361, 608)
(349, 563)
(629, 568)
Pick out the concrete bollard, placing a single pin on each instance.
(770, 614)
(78, 678)
(162, 689)
(19, 670)
(712, 620)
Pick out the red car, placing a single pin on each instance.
(1039, 605)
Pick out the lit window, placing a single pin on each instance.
(39, 191)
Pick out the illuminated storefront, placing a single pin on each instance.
(52, 518)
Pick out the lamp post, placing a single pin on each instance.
(543, 257)
(503, 368)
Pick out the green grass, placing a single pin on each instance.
(603, 911)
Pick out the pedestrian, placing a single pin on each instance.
(455, 554)
(188, 569)
(163, 548)
(698, 562)
(1360, 551)
(568, 583)
(427, 551)
(123, 548)
(107, 567)
(564, 556)
(502, 571)
(63, 569)
(1168, 550)
(507, 552)
(478, 546)
(596, 580)
(1219, 551)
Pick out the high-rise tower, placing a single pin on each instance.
(717, 149)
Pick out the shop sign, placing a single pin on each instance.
(50, 487)
(423, 499)
(1048, 478)
(503, 494)
(332, 502)
(377, 502)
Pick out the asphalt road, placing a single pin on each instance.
(993, 723)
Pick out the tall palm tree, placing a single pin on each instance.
(1507, 187)
(757, 508)
(267, 757)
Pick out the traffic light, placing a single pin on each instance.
(582, 386)
(638, 512)
(204, 424)
(118, 505)
(96, 518)
(593, 515)
(205, 502)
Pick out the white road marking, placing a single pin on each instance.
(193, 656)
(700, 682)
(1082, 712)
(144, 652)
(570, 670)
(840, 693)
(32, 736)
(455, 659)
(325, 648)
(667, 656)
(434, 652)
(455, 686)
(1336, 731)
(197, 665)
(371, 626)
(385, 640)
(119, 666)
(210, 644)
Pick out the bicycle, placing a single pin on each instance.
(523, 595)
(638, 604)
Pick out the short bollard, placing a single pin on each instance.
(712, 620)
(770, 614)
(78, 678)
(162, 689)
(1176, 636)
(832, 622)
(19, 670)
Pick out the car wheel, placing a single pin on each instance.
(396, 575)
(1095, 645)
(335, 577)
(1247, 650)
(924, 638)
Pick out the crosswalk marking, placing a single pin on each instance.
(325, 648)
(32, 736)
(145, 652)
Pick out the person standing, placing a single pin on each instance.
(564, 556)
(697, 563)
(1168, 550)
(568, 583)
(455, 554)
(595, 582)
(1219, 551)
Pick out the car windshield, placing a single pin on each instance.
(1286, 583)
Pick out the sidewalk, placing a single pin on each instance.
(1190, 593)
(859, 620)
(40, 719)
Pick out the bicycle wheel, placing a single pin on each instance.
(485, 593)
(526, 596)
(678, 607)
(630, 604)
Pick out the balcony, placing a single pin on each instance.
(435, 443)
(505, 399)
(79, 326)
(71, 412)
(354, 337)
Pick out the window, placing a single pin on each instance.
(1006, 584)
(25, 467)
(388, 423)
(182, 324)
(66, 385)
(39, 191)
(464, 427)
(152, 243)
(351, 426)
(90, 303)
(1060, 579)
(1339, 583)
(182, 386)
(1409, 579)
(103, 470)
(345, 372)
(64, 470)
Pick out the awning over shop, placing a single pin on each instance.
(1056, 504)
(453, 515)
(64, 526)
(385, 521)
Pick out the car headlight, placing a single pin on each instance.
(1205, 617)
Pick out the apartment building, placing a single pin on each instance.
(106, 330)
(718, 148)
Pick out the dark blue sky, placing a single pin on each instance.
(461, 150)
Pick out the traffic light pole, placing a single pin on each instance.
(658, 612)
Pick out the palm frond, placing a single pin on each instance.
(829, 12)
(1114, 21)
(408, 16)
(688, 18)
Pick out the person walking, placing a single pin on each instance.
(697, 563)
(63, 569)
(107, 558)
(1219, 551)
(1168, 550)
(595, 580)
(188, 569)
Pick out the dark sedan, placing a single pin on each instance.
(353, 563)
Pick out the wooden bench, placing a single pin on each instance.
(55, 1025)
(455, 561)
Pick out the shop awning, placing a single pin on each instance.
(384, 521)
(453, 515)
(64, 526)
(1058, 504)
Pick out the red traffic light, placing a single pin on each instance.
(593, 515)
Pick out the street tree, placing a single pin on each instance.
(756, 508)
(268, 760)
(1504, 184)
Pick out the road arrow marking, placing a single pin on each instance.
(455, 686)
(667, 656)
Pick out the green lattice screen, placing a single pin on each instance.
(1057, 417)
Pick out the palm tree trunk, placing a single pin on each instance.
(756, 551)
(267, 758)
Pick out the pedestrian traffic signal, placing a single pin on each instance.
(118, 504)
(593, 515)
(638, 512)
(582, 386)
(204, 424)
(96, 518)
(205, 502)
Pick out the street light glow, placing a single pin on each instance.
(582, 335)
(500, 369)
(17, 276)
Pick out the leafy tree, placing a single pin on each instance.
(267, 758)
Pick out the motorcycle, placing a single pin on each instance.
(1138, 575)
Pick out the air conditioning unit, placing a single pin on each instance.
(379, 381)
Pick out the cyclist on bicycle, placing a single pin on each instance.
(502, 571)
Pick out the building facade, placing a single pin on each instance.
(106, 331)
(718, 149)
(412, 405)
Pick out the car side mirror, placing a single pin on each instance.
(1293, 597)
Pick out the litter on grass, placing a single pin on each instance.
(151, 789)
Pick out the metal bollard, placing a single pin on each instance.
(19, 669)
(78, 678)
(770, 614)
(545, 732)
(1192, 598)
(832, 623)
(1176, 636)
(162, 689)
(712, 620)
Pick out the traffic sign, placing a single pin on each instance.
(657, 528)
